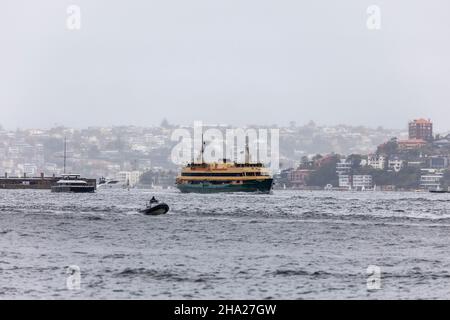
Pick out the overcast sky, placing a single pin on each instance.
(224, 61)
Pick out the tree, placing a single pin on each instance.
(445, 182)
(355, 160)
(388, 148)
(317, 157)
(326, 174)
(304, 162)
(407, 178)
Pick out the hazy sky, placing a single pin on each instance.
(224, 61)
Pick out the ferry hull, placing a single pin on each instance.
(75, 189)
(262, 186)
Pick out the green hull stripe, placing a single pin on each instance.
(248, 186)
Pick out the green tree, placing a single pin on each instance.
(355, 160)
(388, 148)
(407, 178)
(325, 174)
(445, 182)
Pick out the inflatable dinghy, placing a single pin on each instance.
(155, 210)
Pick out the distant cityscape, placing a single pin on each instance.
(311, 155)
(418, 162)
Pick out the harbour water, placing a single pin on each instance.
(288, 245)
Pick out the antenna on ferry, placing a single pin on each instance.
(203, 149)
(247, 152)
(65, 152)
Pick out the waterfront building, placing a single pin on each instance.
(431, 178)
(415, 164)
(343, 170)
(442, 142)
(345, 181)
(438, 162)
(343, 167)
(298, 177)
(128, 178)
(362, 181)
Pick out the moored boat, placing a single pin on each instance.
(438, 191)
(72, 183)
(110, 184)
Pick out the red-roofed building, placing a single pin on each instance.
(411, 144)
(421, 129)
(298, 177)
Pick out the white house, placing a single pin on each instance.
(431, 178)
(345, 181)
(362, 181)
(376, 161)
(128, 178)
(343, 167)
(395, 164)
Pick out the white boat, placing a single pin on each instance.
(110, 184)
(72, 183)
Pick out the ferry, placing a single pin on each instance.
(224, 176)
(72, 183)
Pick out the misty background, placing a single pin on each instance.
(224, 61)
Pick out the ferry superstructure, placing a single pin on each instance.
(225, 176)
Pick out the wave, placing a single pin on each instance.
(165, 275)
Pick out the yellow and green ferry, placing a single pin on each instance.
(224, 177)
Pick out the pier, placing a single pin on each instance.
(40, 182)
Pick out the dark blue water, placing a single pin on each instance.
(289, 245)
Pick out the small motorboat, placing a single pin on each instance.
(155, 208)
(438, 190)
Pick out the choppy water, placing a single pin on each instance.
(289, 245)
